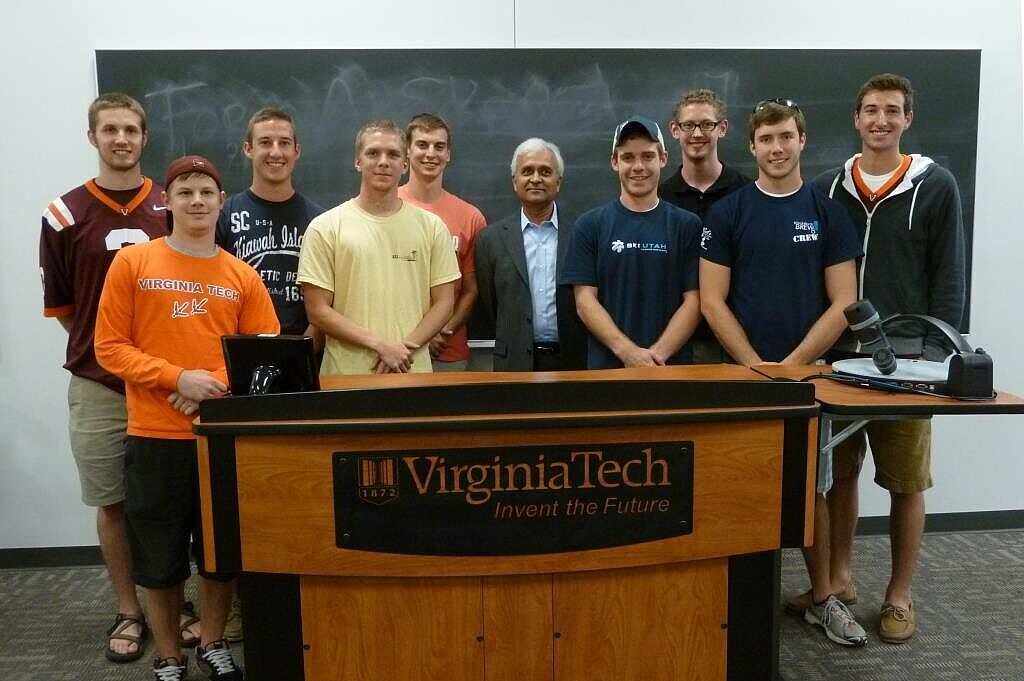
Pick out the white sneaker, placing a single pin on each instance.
(837, 621)
(215, 659)
(170, 669)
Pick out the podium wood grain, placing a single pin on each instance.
(394, 629)
(628, 624)
(594, 626)
(518, 617)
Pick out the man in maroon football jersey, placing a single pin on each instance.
(81, 232)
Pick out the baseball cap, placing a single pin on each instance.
(649, 127)
(191, 164)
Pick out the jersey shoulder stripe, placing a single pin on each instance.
(58, 215)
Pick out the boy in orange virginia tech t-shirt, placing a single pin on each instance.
(164, 307)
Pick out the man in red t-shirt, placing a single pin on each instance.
(82, 230)
(430, 149)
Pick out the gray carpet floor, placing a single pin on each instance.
(969, 595)
(969, 598)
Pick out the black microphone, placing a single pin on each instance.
(867, 328)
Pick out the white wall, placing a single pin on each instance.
(48, 81)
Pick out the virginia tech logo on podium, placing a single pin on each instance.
(378, 479)
(502, 501)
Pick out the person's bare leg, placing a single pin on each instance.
(816, 556)
(906, 529)
(112, 532)
(843, 511)
(164, 608)
(215, 599)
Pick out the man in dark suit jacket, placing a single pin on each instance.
(517, 264)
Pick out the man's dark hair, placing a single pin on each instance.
(269, 113)
(888, 81)
(771, 113)
(426, 122)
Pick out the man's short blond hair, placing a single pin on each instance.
(381, 125)
(115, 100)
(770, 112)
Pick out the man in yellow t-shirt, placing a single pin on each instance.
(378, 274)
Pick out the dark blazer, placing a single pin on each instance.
(505, 299)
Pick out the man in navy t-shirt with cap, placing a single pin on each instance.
(632, 262)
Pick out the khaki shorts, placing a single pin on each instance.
(97, 424)
(902, 451)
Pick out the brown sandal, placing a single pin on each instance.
(117, 631)
(188, 612)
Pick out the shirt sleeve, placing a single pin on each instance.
(58, 290)
(468, 261)
(486, 300)
(581, 257)
(444, 266)
(946, 253)
(690, 252)
(715, 240)
(316, 257)
(224, 238)
(115, 350)
(841, 242)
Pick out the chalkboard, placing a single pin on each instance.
(198, 102)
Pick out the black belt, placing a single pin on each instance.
(547, 348)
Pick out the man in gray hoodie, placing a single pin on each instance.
(907, 211)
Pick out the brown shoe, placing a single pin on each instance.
(233, 626)
(187, 636)
(898, 624)
(798, 604)
(119, 630)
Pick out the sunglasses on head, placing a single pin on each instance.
(781, 101)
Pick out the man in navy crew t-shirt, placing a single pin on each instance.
(777, 269)
(632, 262)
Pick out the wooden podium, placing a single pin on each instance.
(617, 525)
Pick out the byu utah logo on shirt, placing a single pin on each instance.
(649, 246)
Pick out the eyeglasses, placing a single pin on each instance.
(689, 126)
(781, 101)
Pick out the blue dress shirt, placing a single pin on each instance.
(541, 245)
